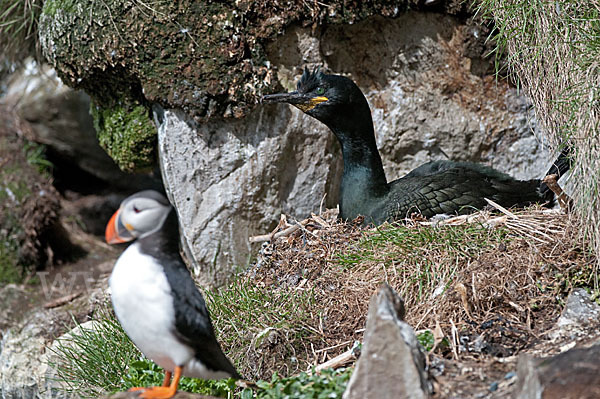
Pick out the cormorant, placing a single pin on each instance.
(156, 299)
(437, 187)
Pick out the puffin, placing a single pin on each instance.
(155, 298)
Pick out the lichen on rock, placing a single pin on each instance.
(127, 135)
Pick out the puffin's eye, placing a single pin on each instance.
(136, 210)
(320, 90)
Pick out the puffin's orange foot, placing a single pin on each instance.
(136, 389)
(158, 393)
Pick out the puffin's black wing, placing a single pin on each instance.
(457, 190)
(192, 321)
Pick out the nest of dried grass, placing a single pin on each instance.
(484, 284)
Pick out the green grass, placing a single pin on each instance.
(18, 29)
(423, 256)
(244, 314)
(552, 50)
(36, 156)
(102, 358)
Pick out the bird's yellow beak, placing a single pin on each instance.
(303, 102)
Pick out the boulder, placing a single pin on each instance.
(574, 374)
(580, 311)
(25, 359)
(391, 364)
(229, 181)
(54, 114)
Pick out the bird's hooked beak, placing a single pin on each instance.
(301, 101)
(116, 232)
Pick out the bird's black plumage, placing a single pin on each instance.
(434, 188)
(192, 321)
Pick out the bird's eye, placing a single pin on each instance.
(136, 210)
(320, 90)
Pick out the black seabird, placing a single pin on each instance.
(156, 299)
(438, 187)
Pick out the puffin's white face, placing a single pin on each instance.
(140, 214)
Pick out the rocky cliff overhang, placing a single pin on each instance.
(205, 58)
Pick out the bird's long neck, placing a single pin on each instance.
(363, 178)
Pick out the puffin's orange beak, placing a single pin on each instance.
(116, 232)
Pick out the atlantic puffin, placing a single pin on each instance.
(155, 298)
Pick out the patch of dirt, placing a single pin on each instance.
(490, 303)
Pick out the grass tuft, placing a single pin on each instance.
(552, 50)
(18, 29)
(99, 358)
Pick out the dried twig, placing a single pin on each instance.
(338, 361)
(62, 300)
(565, 202)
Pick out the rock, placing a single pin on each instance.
(391, 364)
(579, 317)
(19, 363)
(23, 365)
(574, 374)
(59, 117)
(580, 310)
(24, 369)
(15, 300)
(230, 181)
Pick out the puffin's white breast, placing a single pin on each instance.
(142, 299)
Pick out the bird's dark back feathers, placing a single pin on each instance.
(446, 187)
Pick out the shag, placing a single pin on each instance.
(155, 298)
(437, 187)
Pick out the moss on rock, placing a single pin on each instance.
(206, 58)
(127, 134)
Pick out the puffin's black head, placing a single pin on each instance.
(324, 97)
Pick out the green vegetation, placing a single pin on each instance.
(36, 156)
(127, 134)
(552, 50)
(18, 29)
(328, 384)
(100, 358)
(250, 316)
(421, 259)
(51, 7)
(14, 189)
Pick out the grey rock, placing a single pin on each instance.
(574, 374)
(23, 365)
(230, 179)
(14, 299)
(25, 370)
(580, 310)
(391, 364)
(59, 117)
